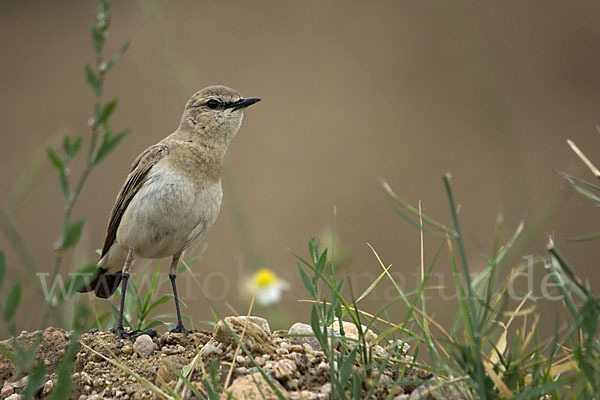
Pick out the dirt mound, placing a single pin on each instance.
(109, 367)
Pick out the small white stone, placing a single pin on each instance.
(209, 349)
(144, 346)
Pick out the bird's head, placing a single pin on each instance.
(215, 113)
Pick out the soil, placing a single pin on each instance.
(109, 367)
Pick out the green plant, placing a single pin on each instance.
(483, 354)
(102, 141)
(477, 349)
(583, 187)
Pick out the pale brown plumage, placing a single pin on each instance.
(173, 193)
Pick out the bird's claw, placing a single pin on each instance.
(181, 329)
(133, 335)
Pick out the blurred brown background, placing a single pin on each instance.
(352, 92)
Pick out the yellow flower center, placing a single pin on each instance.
(264, 277)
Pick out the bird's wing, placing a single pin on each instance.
(139, 169)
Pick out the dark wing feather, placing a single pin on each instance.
(139, 169)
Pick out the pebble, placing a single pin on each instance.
(303, 395)
(260, 361)
(170, 351)
(380, 351)
(261, 322)
(296, 348)
(241, 360)
(292, 384)
(282, 351)
(326, 388)
(351, 331)
(126, 349)
(143, 345)
(284, 369)
(7, 389)
(323, 367)
(305, 335)
(211, 348)
(21, 383)
(255, 387)
(301, 361)
(231, 330)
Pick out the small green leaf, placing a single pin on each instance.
(35, 381)
(154, 323)
(316, 326)
(313, 248)
(307, 282)
(321, 262)
(586, 193)
(12, 302)
(76, 146)
(111, 63)
(109, 143)
(160, 301)
(347, 367)
(2, 268)
(356, 386)
(92, 79)
(98, 39)
(584, 238)
(55, 159)
(67, 144)
(72, 234)
(104, 112)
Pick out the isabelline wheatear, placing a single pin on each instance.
(172, 195)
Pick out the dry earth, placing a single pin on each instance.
(294, 364)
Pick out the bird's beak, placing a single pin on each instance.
(243, 103)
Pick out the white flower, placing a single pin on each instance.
(267, 285)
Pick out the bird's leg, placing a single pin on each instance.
(172, 275)
(120, 331)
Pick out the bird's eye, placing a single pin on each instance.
(212, 104)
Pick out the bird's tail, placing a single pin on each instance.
(104, 285)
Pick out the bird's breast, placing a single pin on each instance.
(168, 212)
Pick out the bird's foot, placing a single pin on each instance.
(180, 329)
(123, 334)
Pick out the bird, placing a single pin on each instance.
(172, 195)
